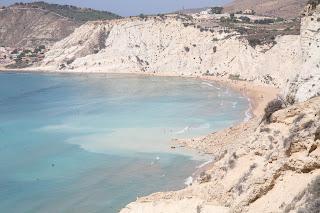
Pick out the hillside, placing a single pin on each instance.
(34, 24)
(277, 8)
(28, 27)
(75, 13)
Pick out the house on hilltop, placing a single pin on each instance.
(249, 12)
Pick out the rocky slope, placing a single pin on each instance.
(32, 27)
(277, 8)
(78, 14)
(259, 167)
(39, 23)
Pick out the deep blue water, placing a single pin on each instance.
(94, 142)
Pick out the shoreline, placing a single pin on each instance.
(258, 96)
(256, 93)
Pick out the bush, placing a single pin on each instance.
(313, 3)
(264, 21)
(187, 49)
(142, 16)
(242, 30)
(223, 19)
(279, 19)
(317, 134)
(313, 200)
(272, 107)
(234, 77)
(216, 10)
(253, 42)
(232, 17)
(245, 19)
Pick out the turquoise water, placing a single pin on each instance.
(93, 143)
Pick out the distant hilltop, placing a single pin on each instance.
(77, 14)
(277, 8)
(40, 23)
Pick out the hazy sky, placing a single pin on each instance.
(133, 7)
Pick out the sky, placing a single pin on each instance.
(133, 7)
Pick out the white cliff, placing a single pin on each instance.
(167, 46)
(305, 83)
(174, 46)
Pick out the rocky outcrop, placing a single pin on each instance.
(305, 83)
(268, 167)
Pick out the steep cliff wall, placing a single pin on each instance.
(172, 46)
(305, 83)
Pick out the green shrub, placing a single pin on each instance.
(317, 134)
(313, 200)
(72, 12)
(216, 10)
(142, 16)
(272, 107)
(253, 42)
(245, 19)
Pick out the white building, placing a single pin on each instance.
(205, 12)
(248, 12)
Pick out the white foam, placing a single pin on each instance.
(184, 130)
(248, 114)
(210, 85)
(205, 163)
(188, 181)
(234, 104)
(202, 126)
(188, 128)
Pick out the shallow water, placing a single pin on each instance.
(94, 142)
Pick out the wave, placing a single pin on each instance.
(248, 113)
(188, 181)
(184, 130)
(234, 104)
(204, 164)
(190, 128)
(210, 85)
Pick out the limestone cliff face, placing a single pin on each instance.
(305, 83)
(174, 46)
(171, 46)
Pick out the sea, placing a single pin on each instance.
(95, 142)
